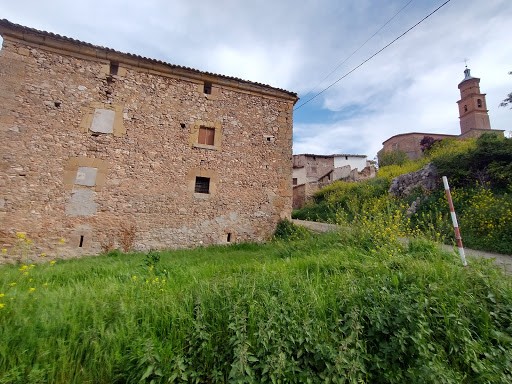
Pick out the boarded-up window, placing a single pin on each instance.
(103, 120)
(86, 176)
(202, 185)
(206, 135)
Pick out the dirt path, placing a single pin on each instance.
(503, 261)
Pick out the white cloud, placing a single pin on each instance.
(411, 86)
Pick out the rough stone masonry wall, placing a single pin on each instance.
(426, 180)
(59, 179)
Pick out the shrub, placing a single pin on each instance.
(395, 157)
(486, 160)
(286, 230)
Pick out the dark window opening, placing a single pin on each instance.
(465, 108)
(479, 103)
(294, 181)
(346, 157)
(81, 241)
(228, 239)
(114, 68)
(207, 88)
(57, 103)
(182, 125)
(269, 138)
(202, 185)
(206, 135)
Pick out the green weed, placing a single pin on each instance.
(341, 309)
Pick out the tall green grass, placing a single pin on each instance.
(340, 307)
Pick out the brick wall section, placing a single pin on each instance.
(145, 170)
(410, 143)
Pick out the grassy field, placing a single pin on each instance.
(322, 309)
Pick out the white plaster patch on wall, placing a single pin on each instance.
(103, 121)
(81, 203)
(86, 176)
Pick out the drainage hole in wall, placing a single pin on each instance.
(81, 241)
(182, 125)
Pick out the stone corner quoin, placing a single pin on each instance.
(94, 141)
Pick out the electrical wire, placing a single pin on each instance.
(372, 56)
(361, 46)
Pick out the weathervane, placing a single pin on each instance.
(466, 62)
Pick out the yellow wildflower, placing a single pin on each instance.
(2, 295)
(2, 305)
(4, 251)
(31, 289)
(62, 240)
(52, 262)
(21, 235)
(23, 268)
(43, 254)
(12, 284)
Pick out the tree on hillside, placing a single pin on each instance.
(427, 143)
(489, 163)
(395, 157)
(508, 99)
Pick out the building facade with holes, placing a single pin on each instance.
(312, 172)
(106, 149)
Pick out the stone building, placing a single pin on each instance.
(312, 172)
(99, 147)
(473, 119)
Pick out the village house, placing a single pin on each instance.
(312, 172)
(98, 147)
(473, 118)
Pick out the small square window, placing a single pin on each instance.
(294, 181)
(207, 89)
(114, 68)
(206, 135)
(202, 185)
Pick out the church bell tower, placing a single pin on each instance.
(472, 106)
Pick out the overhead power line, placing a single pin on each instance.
(361, 46)
(372, 56)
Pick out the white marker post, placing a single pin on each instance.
(458, 238)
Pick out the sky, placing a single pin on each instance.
(306, 46)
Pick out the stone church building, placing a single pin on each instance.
(473, 118)
(94, 141)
